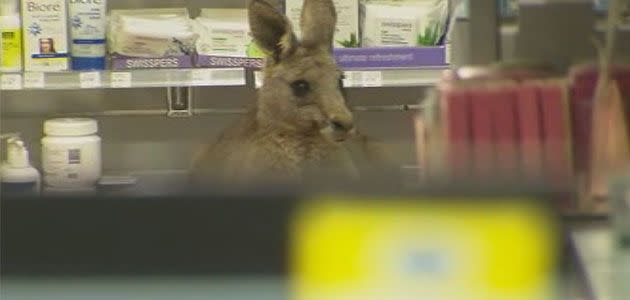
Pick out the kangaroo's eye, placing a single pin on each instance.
(300, 88)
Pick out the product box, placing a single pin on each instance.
(350, 59)
(388, 26)
(88, 30)
(347, 31)
(402, 23)
(390, 57)
(439, 248)
(530, 131)
(225, 40)
(45, 34)
(482, 132)
(556, 128)
(151, 38)
(455, 113)
(122, 62)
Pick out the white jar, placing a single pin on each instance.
(71, 153)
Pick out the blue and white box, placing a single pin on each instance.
(87, 31)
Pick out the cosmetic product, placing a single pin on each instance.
(45, 35)
(71, 153)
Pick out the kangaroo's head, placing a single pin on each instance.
(302, 90)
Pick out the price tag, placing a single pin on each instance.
(11, 81)
(202, 76)
(259, 79)
(120, 79)
(372, 78)
(350, 78)
(34, 80)
(90, 80)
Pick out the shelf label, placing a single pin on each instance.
(372, 78)
(34, 80)
(120, 79)
(90, 80)
(201, 76)
(350, 78)
(363, 79)
(11, 81)
(259, 79)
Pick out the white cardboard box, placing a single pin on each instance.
(45, 34)
(347, 31)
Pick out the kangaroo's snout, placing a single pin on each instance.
(340, 128)
(341, 125)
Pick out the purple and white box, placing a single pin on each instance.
(121, 62)
(351, 58)
(206, 61)
(390, 57)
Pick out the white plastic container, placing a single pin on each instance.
(10, 36)
(87, 32)
(71, 153)
(17, 175)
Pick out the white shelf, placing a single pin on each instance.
(122, 79)
(393, 78)
(199, 77)
(385, 78)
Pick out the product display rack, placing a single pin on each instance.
(154, 78)
(558, 33)
(122, 79)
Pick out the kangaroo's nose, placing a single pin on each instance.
(340, 125)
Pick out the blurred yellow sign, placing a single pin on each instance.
(350, 249)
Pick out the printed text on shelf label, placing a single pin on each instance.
(11, 81)
(120, 79)
(89, 80)
(34, 80)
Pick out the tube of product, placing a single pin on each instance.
(87, 31)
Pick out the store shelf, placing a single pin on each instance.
(428, 76)
(200, 77)
(149, 287)
(122, 79)
(394, 78)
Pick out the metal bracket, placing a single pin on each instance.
(179, 102)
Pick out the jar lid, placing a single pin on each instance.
(70, 127)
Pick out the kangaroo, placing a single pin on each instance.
(300, 122)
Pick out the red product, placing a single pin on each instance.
(505, 128)
(482, 132)
(530, 132)
(456, 118)
(556, 134)
(581, 118)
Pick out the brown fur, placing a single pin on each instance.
(286, 137)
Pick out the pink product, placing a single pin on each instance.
(483, 147)
(556, 135)
(456, 113)
(528, 108)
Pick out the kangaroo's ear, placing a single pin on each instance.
(319, 19)
(271, 30)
